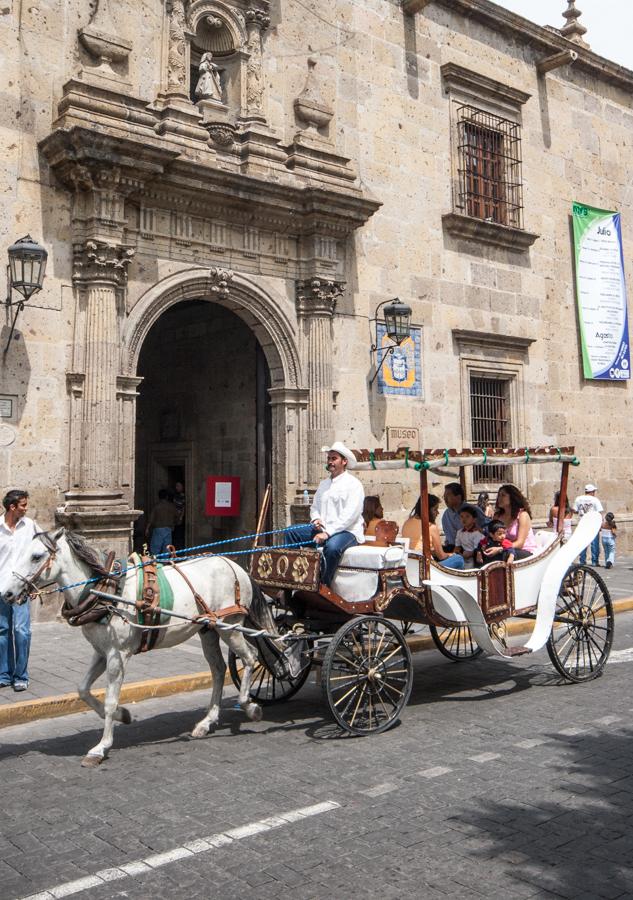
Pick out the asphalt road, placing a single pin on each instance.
(500, 781)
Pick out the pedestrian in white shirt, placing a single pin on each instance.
(336, 516)
(16, 532)
(583, 504)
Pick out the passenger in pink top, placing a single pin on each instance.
(514, 511)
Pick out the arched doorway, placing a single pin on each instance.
(203, 410)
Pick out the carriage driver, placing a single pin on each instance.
(336, 516)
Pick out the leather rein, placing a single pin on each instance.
(31, 590)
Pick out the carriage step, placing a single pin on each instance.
(516, 651)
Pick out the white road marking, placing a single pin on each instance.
(379, 790)
(435, 772)
(202, 845)
(485, 757)
(531, 743)
(572, 732)
(621, 656)
(608, 720)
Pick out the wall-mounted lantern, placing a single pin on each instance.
(25, 274)
(398, 326)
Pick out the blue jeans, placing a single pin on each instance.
(333, 548)
(15, 642)
(161, 537)
(608, 545)
(455, 561)
(595, 552)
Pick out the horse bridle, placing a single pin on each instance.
(30, 588)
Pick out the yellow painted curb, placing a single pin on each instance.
(66, 704)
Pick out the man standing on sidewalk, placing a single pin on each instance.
(582, 505)
(16, 531)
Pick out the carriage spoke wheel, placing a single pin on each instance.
(456, 642)
(367, 675)
(267, 688)
(582, 634)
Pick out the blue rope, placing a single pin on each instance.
(183, 558)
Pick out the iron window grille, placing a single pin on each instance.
(490, 424)
(489, 168)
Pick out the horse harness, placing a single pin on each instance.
(91, 609)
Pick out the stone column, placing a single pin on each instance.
(316, 302)
(257, 21)
(95, 503)
(289, 451)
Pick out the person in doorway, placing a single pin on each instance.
(608, 534)
(16, 531)
(372, 514)
(484, 504)
(180, 502)
(336, 515)
(161, 523)
(583, 504)
(451, 519)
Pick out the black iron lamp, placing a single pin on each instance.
(398, 326)
(25, 274)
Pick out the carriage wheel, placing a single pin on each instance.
(367, 675)
(266, 688)
(582, 633)
(456, 643)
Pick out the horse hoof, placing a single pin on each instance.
(200, 731)
(254, 712)
(126, 716)
(91, 762)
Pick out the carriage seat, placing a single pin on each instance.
(369, 556)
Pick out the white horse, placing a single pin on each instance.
(65, 559)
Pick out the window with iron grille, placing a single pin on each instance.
(490, 424)
(489, 167)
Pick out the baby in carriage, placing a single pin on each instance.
(495, 546)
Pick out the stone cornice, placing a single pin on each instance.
(487, 340)
(197, 185)
(482, 87)
(537, 36)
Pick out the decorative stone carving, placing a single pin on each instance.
(221, 281)
(98, 261)
(177, 50)
(310, 106)
(209, 85)
(257, 21)
(102, 42)
(573, 30)
(221, 133)
(318, 297)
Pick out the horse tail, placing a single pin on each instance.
(259, 610)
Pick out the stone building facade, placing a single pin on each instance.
(228, 189)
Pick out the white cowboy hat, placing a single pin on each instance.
(342, 450)
(589, 488)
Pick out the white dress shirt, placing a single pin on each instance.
(338, 503)
(12, 543)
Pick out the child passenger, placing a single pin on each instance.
(496, 547)
(469, 536)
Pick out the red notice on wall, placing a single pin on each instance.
(222, 496)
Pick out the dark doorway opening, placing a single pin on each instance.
(203, 410)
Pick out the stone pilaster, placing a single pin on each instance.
(316, 302)
(95, 504)
(257, 21)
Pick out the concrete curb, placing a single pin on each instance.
(67, 704)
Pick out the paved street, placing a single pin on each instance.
(499, 782)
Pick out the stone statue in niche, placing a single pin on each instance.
(209, 86)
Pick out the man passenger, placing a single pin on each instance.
(336, 515)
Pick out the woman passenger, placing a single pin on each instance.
(514, 511)
(484, 504)
(552, 521)
(372, 514)
(412, 529)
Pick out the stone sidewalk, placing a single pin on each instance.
(60, 657)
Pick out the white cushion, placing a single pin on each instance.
(368, 556)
